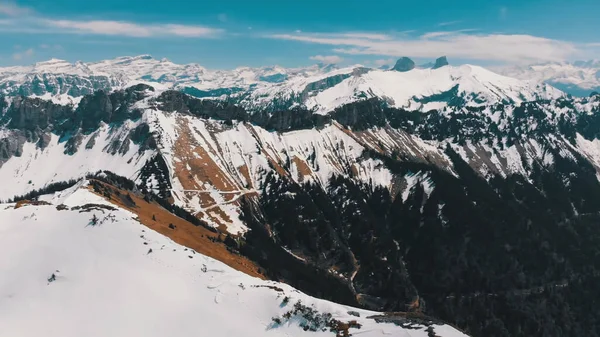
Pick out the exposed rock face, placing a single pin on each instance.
(175, 101)
(12, 145)
(404, 64)
(324, 84)
(109, 108)
(34, 113)
(362, 115)
(440, 62)
(41, 84)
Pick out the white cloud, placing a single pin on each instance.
(433, 35)
(188, 31)
(458, 44)
(123, 28)
(36, 23)
(384, 62)
(448, 23)
(51, 47)
(330, 59)
(10, 8)
(23, 55)
(370, 36)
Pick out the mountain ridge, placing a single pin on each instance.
(319, 88)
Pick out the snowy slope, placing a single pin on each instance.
(36, 167)
(63, 276)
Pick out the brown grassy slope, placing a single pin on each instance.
(185, 233)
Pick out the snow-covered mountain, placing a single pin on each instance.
(578, 78)
(416, 89)
(370, 204)
(319, 88)
(55, 77)
(75, 264)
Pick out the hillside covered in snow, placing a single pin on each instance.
(77, 265)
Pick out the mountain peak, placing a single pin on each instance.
(51, 61)
(404, 64)
(440, 62)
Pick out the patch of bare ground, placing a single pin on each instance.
(303, 168)
(200, 239)
(22, 203)
(245, 172)
(199, 173)
(196, 167)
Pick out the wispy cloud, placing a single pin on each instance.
(25, 20)
(448, 23)
(10, 8)
(23, 55)
(123, 28)
(433, 35)
(55, 47)
(384, 62)
(458, 44)
(503, 13)
(370, 36)
(329, 59)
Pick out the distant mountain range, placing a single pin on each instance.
(579, 78)
(320, 88)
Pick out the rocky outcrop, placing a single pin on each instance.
(112, 107)
(404, 64)
(440, 62)
(11, 146)
(361, 115)
(175, 101)
(35, 113)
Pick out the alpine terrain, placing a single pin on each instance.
(441, 200)
(579, 78)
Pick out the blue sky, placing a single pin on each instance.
(227, 34)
